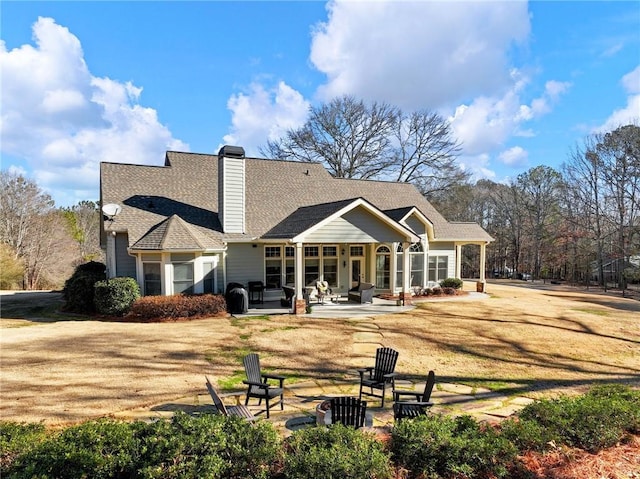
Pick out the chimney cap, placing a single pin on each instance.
(231, 151)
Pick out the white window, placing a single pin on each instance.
(183, 278)
(289, 265)
(273, 266)
(438, 268)
(311, 265)
(383, 267)
(330, 265)
(152, 279)
(209, 277)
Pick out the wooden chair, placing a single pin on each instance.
(348, 411)
(258, 385)
(379, 375)
(238, 410)
(420, 404)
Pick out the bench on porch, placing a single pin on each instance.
(363, 293)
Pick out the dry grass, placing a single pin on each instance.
(521, 340)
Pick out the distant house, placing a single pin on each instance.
(203, 221)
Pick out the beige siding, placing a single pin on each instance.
(245, 263)
(126, 264)
(231, 201)
(355, 226)
(416, 225)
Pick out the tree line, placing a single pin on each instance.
(579, 223)
(40, 245)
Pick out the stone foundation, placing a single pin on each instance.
(301, 307)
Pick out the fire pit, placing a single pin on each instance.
(323, 414)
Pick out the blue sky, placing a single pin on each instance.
(521, 83)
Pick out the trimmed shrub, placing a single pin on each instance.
(178, 306)
(97, 449)
(183, 447)
(78, 290)
(114, 297)
(437, 446)
(17, 439)
(454, 283)
(596, 420)
(436, 291)
(187, 447)
(336, 451)
(449, 291)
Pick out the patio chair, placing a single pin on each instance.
(258, 385)
(417, 407)
(322, 289)
(348, 411)
(379, 375)
(289, 293)
(238, 410)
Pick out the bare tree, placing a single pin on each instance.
(540, 189)
(355, 140)
(604, 178)
(424, 153)
(35, 232)
(619, 154)
(350, 138)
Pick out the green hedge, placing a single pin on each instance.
(183, 447)
(437, 446)
(601, 418)
(115, 296)
(213, 446)
(335, 452)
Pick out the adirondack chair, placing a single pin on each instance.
(238, 410)
(348, 411)
(420, 404)
(258, 385)
(379, 375)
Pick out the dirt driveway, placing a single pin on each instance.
(64, 370)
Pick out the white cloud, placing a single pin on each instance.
(417, 54)
(488, 122)
(515, 157)
(260, 114)
(630, 113)
(477, 165)
(64, 121)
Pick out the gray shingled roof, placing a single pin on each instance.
(172, 233)
(278, 195)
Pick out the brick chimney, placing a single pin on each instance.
(231, 189)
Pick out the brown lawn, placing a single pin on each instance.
(523, 340)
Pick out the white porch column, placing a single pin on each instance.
(405, 294)
(458, 260)
(370, 273)
(300, 304)
(299, 270)
(483, 259)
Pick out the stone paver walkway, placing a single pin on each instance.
(302, 398)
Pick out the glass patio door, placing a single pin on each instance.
(356, 271)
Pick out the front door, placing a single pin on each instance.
(356, 271)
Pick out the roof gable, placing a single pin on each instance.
(171, 234)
